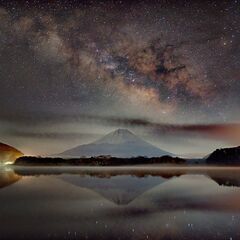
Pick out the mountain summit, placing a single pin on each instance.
(119, 143)
(118, 136)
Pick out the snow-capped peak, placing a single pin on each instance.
(118, 136)
(119, 143)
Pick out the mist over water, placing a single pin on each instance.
(119, 203)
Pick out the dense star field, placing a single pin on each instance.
(71, 71)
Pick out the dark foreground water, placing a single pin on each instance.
(119, 203)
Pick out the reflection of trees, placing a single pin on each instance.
(229, 182)
(226, 178)
(121, 191)
(102, 172)
(223, 177)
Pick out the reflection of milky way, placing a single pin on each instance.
(166, 62)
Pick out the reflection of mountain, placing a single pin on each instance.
(8, 153)
(8, 177)
(120, 143)
(122, 185)
(192, 192)
(119, 189)
(119, 185)
(151, 195)
(230, 182)
(157, 207)
(226, 178)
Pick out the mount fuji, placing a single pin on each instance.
(119, 143)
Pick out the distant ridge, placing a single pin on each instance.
(225, 156)
(119, 143)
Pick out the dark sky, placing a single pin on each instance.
(72, 71)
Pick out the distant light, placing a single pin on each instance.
(8, 163)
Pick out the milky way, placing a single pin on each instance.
(67, 68)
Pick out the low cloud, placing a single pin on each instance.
(229, 133)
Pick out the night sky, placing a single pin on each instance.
(72, 71)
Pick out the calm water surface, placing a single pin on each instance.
(119, 203)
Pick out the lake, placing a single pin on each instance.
(143, 202)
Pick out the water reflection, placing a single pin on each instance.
(120, 203)
(226, 176)
(8, 177)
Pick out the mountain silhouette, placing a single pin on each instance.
(225, 156)
(8, 153)
(119, 143)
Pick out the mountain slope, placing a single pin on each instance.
(8, 153)
(119, 143)
(225, 156)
